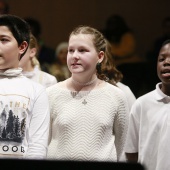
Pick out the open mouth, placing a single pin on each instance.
(166, 72)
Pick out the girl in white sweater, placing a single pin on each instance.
(88, 112)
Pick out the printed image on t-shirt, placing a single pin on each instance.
(13, 116)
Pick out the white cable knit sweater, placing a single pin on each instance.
(93, 131)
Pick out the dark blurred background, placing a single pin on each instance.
(59, 17)
(145, 18)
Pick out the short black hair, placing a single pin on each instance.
(18, 27)
(165, 42)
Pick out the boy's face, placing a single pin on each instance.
(163, 64)
(9, 50)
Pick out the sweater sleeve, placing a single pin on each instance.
(120, 126)
(39, 127)
(51, 99)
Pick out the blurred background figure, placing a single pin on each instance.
(124, 52)
(46, 54)
(59, 68)
(121, 38)
(118, 77)
(4, 7)
(31, 67)
(153, 53)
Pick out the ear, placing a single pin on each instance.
(23, 47)
(100, 56)
(33, 52)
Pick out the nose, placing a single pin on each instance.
(167, 60)
(75, 55)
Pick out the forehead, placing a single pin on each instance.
(165, 48)
(85, 39)
(4, 30)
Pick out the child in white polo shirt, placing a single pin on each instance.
(148, 135)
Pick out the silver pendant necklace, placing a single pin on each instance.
(84, 102)
(85, 97)
(78, 95)
(74, 94)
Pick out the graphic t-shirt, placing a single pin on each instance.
(24, 118)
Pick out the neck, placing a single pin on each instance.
(27, 67)
(84, 84)
(165, 89)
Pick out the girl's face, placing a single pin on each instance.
(10, 52)
(82, 55)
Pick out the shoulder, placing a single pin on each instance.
(57, 92)
(47, 79)
(123, 86)
(115, 92)
(114, 88)
(33, 83)
(145, 100)
(48, 76)
(55, 89)
(33, 88)
(126, 89)
(149, 96)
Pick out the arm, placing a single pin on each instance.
(39, 127)
(132, 157)
(120, 126)
(132, 139)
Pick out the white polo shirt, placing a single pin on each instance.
(149, 130)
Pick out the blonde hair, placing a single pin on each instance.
(34, 44)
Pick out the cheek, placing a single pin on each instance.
(11, 53)
(68, 59)
(89, 62)
(68, 62)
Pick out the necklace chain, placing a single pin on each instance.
(84, 84)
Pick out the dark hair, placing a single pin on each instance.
(18, 27)
(106, 70)
(165, 42)
(34, 25)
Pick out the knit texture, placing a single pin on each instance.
(93, 131)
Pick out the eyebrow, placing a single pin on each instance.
(4, 35)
